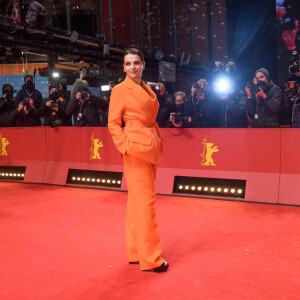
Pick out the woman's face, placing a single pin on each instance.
(133, 66)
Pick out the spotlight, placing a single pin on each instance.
(83, 179)
(88, 179)
(78, 178)
(15, 174)
(199, 188)
(98, 180)
(187, 187)
(103, 180)
(240, 191)
(223, 85)
(206, 189)
(113, 181)
(212, 189)
(108, 181)
(225, 190)
(232, 191)
(119, 182)
(105, 88)
(180, 187)
(219, 190)
(55, 74)
(73, 178)
(22, 175)
(93, 179)
(193, 188)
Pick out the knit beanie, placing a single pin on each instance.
(264, 71)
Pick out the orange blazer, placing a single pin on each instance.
(137, 106)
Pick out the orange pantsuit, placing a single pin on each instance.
(140, 145)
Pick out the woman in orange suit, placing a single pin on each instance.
(140, 145)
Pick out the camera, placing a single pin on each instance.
(85, 95)
(9, 96)
(200, 88)
(254, 86)
(179, 118)
(54, 103)
(155, 87)
(295, 67)
(83, 70)
(292, 88)
(56, 123)
(80, 120)
(27, 102)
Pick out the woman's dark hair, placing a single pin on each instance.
(135, 52)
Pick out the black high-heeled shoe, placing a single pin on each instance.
(162, 268)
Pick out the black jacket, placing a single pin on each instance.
(232, 111)
(89, 110)
(266, 112)
(34, 94)
(165, 109)
(6, 108)
(23, 120)
(51, 115)
(203, 112)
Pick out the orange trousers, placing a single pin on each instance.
(142, 236)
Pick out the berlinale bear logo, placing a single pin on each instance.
(207, 153)
(94, 150)
(3, 143)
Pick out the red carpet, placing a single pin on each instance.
(69, 243)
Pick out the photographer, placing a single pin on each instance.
(292, 92)
(53, 108)
(231, 107)
(178, 118)
(7, 106)
(165, 103)
(79, 82)
(85, 108)
(28, 91)
(201, 106)
(264, 101)
(26, 114)
(63, 91)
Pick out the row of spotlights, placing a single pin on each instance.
(210, 189)
(12, 174)
(84, 179)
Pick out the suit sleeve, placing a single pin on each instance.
(116, 108)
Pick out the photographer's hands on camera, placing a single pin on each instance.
(261, 93)
(25, 108)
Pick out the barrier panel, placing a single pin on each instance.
(289, 192)
(24, 147)
(266, 158)
(246, 154)
(87, 148)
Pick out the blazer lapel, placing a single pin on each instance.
(148, 98)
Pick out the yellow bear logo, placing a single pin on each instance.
(96, 144)
(208, 150)
(3, 143)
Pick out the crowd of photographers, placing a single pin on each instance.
(219, 101)
(78, 107)
(224, 101)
